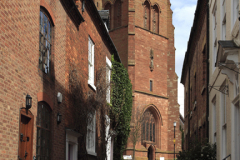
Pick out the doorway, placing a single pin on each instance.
(150, 153)
(25, 135)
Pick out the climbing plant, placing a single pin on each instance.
(121, 107)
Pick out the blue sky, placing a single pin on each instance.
(183, 15)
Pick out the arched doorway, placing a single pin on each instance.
(150, 153)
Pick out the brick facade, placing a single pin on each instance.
(135, 45)
(20, 74)
(194, 79)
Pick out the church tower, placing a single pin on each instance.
(143, 34)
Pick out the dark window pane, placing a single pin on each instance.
(150, 131)
(43, 131)
(151, 85)
(143, 131)
(147, 130)
(153, 132)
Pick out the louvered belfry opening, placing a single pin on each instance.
(117, 13)
(108, 7)
(148, 127)
(155, 19)
(146, 15)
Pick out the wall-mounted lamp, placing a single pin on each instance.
(83, 5)
(59, 97)
(28, 102)
(59, 118)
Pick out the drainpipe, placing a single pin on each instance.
(188, 108)
(207, 87)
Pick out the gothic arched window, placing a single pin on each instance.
(148, 127)
(146, 15)
(155, 19)
(117, 13)
(108, 7)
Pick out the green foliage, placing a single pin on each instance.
(199, 151)
(121, 107)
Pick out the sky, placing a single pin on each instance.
(183, 15)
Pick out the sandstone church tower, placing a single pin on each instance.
(143, 34)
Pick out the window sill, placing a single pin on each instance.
(92, 153)
(92, 85)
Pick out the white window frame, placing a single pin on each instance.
(224, 124)
(214, 120)
(214, 38)
(108, 79)
(237, 131)
(236, 85)
(235, 8)
(108, 139)
(72, 139)
(91, 135)
(91, 63)
(223, 20)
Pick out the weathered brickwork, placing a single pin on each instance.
(135, 45)
(194, 79)
(19, 67)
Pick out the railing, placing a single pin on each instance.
(227, 157)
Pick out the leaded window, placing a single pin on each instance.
(43, 132)
(45, 44)
(148, 127)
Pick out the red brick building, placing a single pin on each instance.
(143, 33)
(195, 79)
(43, 42)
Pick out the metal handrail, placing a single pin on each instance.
(227, 157)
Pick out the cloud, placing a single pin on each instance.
(183, 15)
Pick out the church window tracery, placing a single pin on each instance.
(148, 127)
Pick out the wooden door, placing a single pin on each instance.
(25, 136)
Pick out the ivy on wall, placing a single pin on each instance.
(121, 107)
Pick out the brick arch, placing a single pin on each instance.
(153, 148)
(156, 113)
(143, 1)
(157, 5)
(107, 3)
(47, 8)
(42, 96)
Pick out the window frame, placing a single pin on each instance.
(40, 127)
(148, 127)
(214, 12)
(91, 150)
(91, 56)
(108, 79)
(45, 42)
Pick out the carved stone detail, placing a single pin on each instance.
(151, 60)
